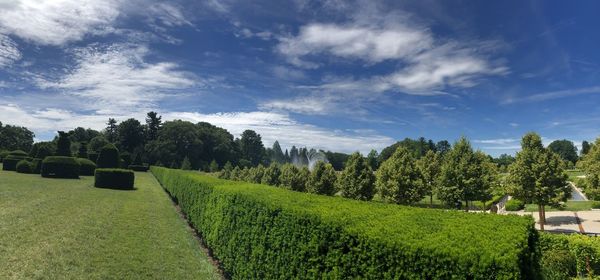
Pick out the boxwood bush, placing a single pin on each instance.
(60, 167)
(87, 167)
(262, 232)
(24, 166)
(10, 161)
(514, 205)
(113, 178)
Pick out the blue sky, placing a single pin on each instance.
(338, 75)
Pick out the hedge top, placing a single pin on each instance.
(61, 159)
(475, 238)
(18, 153)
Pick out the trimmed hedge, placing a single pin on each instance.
(10, 162)
(24, 166)
(262, 232)
(514, 205)
(93, 156)
(140, 168)
(60, 167)
(567, 256)
(114, 178)
(87, 167)
(108, 157)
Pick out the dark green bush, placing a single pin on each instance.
(262, 232)
(93, 157)
(108, 157)
(125, 160)
(24, 166)
(114, 178)
(514, 205)
(596, 205)
(563, 255)
(10, 162)
(3, 155)
(60, 167)
(140, 168)
(36, 166)
(87, 167)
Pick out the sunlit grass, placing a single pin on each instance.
(67, 229)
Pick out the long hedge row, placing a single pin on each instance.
(262, 232)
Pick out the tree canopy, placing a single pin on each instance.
(565, 149)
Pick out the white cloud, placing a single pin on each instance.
(8, 51)
(370, 43)
(500, 141)
(168, 14)
(275, 126)
(56, 22)
(425, 64)
(117, 78)
(543, 96)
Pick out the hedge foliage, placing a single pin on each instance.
(514, 205)
(24, 166)
(60, 167)
(262, 232)
(567, 256)
(87, 167)
(108, 157)
(139, 168)
(9, 163)
(113, 178)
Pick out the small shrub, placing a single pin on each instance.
(113, 178)
(139, 168)
(514, 205)
(109, 157)
(10, 162)
(24, 166)
(60, 167)
(596, 205)
(558, 264)
(87, 167)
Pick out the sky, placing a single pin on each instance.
(337, 75)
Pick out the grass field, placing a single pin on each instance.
(569, 206)
(67, 229)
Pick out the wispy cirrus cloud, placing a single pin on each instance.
(550, 95)
(118, 77)
(426, 63)
(9, 52)
(56, 22)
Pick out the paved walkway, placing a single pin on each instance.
(569, 221)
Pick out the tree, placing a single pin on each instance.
(42, 150)
(277, 154)
(398, 178)
(429, 167)
(294, 155)
(251, 147)
(63, 144)
(443, 147)
(176, 140)
(590, 163)
(111, 130)
(186, 164)
(256, 174)
(322, 179)
(82, 153)
(357, 180)
(537, 176)
(130, 135)
(565, 149)
(153, 123)
(372, 159)
(271, 175)
(97, 143)
(213, 166)
(465, 175)
(226, 171)
(585, 148)
(291, 178)
(337, 160)
(15, 138)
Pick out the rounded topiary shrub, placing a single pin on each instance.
(11, 160)
(87, 167)
(24, 166)
(113, 178)
(60, 167)
(108, 157)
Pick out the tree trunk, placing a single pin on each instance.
(541, 215)
(466, 205)
(431, 200)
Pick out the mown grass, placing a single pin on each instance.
(67, 229)
(568, 206)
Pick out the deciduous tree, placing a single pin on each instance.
(322, 179)
(357, 180)
(398, 178)
(429, 167)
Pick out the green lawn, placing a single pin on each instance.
(569, 206)
(67, 229)
(573, 173)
